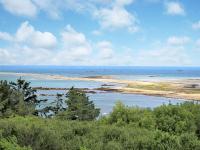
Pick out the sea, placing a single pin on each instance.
(104, 100)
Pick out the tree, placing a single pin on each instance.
(7, 99)
(59, 104)
(12, 101)
(79, 107)
(55, 108)
(29, 95)
(18, 98)
(25, 88)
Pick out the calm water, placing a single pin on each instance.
(187, 72)
(105, 100)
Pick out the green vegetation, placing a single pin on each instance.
(169, 87)
(79, 107)
(153, 86)
(14, 101)
(72, 124)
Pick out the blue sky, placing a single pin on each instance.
(100, 32)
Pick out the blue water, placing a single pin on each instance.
(77, 71)
(105, 100)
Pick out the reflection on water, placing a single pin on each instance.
(106, 101)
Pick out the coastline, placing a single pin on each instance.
(188, 89)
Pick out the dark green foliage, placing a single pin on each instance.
(174, 119)
(56, 107)
(53, 134)
(137, 117)
(165, 141)
(189, 141)
(12, 102)
(20, 99)
(24, 87)
(10, 143)
(79, 107)
(195, 110)
(58, 104)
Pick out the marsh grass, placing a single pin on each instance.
(165, 87)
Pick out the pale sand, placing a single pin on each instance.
(168, 88)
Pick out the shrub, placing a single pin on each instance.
(174, 119)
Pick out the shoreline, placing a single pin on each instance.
(187, 89)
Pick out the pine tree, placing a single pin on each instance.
(25, 88)
(18, 98)
(12, 101)
(79, 107)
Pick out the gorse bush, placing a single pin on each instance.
(137, 117)
(54, 134)
(174, 118)
(74, 126)
(10, 143)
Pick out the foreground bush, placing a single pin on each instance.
(51, 134)
(104, 134)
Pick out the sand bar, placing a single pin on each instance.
(178, 89)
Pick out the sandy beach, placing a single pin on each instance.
(179, 89)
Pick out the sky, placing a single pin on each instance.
(100, 32)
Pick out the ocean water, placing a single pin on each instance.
(121, 71)
(104, 100)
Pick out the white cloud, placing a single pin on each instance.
(97, 32)
(25, 55)
(171, 52)
(20, 7)
(196, 25)
(105, 49)
(51, 7)
(163, 56)
(174, 40)
(117, 17)
(175, 8)
(30, 46)
(75, 43)
(74, 49)
(54, 9)
(111, 14)
(6, 57)
(43, 39)
(123, 2)
(5, 36)
(198, 42)
(26, 34)
(34, 47)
